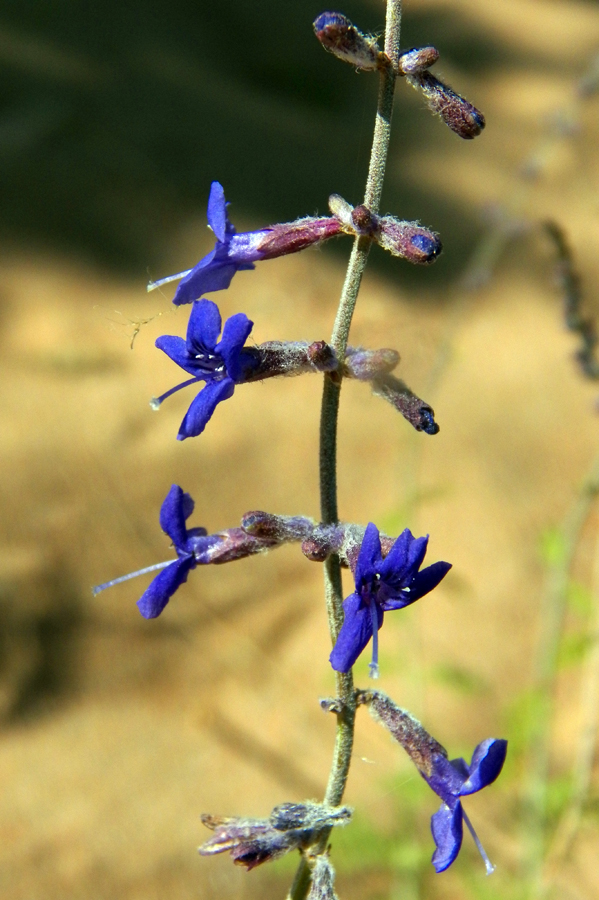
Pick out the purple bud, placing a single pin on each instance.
(365, 365)
(420, 746)
(364, 222)
(339, 36)
(416, 411)
(409, 240)
(457, 113)
(323, 542)
(418, 59)
(278, 528)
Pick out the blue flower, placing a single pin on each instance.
(451, 780)
(194, 547)
(382, 584)
(235, 252)
(221, 364)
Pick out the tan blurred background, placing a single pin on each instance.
(117, 733)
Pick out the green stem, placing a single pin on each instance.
(328, 436)
(553, 606)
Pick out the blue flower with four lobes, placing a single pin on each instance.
(451, 780)
(382, 584)
(221, 364)
(235, 252)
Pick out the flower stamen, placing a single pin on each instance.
(156, 401)
(373, 666)
(488, 864)
(107, 584)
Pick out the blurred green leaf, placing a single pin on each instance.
(553, 547)
(573, 649)
(580, 599)
(460, 679)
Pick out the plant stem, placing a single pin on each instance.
(328, 435)
(553, 606)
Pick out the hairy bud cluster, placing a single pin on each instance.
(409, 240)
(339, 36)
(252, 842)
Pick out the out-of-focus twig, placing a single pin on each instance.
(583, 764)
(553, 604)
(568, 280)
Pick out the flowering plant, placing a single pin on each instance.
(387, 571)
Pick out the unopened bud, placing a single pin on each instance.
(339, 36)
(365, 365)
(458, 114)
(416, 411)
(323, 878)
(420, 746)
(278, 528)
(364, 222)
(409, 240)
(412, 62)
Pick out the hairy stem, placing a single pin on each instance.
(328, 435)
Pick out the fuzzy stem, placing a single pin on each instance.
(328, 436)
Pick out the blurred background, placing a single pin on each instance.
(116, 732)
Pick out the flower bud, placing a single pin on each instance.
(339, 36)
(323, 542)
(416, 411)
(278, 528)
(364, 222)
(409, 240)
(412, 62)
(457, 113)
(365, 365)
